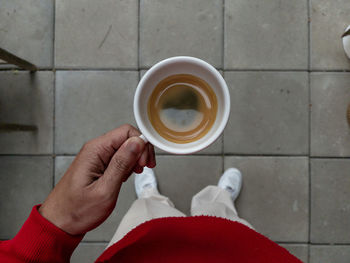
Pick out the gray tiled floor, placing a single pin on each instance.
(287, 131)
(330, 195)
(174, 172)
(90, 103)
(275, 195)
(300, 251)
(113, 43)
(169, 33)
(26, 29)
(87, 252)
(269, 34)
(28, 100)
(334, 254)
(326, 52)
(269, 113)
(330, 95)
(24, 182)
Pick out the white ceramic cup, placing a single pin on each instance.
(181, 65)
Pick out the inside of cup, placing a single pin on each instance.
(173, 66)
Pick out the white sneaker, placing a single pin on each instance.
(145, 180)
(231, 181)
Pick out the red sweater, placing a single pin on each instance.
(171, 239)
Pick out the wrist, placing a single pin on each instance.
(63, 222)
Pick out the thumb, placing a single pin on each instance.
(123, 161)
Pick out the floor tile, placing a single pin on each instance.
(87, 252)
(269, 113)
(26, 30)
(329, 19)
(24, 182)
(90, 103)
(26, 99)
(181, 27)
(175, 172)
(274, 198)
(126, 196)
(298, 250)
(96, 34)
(268, 34)
(330, 209)
(334, 254)
(330, 97)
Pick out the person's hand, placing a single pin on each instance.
(87, 193)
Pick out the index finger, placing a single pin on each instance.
(110, 142)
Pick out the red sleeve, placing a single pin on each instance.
(39, 241)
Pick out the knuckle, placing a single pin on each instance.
(85, 146)
(127, 126)
(131, 130)
(88, 145)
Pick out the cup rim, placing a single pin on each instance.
(218, 131)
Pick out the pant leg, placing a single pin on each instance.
(215, 201)
(151, 205)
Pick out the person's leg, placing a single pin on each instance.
(219, 200)
(149, 205)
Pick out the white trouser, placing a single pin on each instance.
(212, 201)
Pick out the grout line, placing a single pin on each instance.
(54, 36)
(263, 155)
(265, 70)
(308, 35)
(138, 39)
(168, 154)
(309, 125)
(329, 244)
(223, 73)
(223, 164)
(95, 69)
(238, 155)
(24, 70)
(94, 242)
(138, 34)
(54, 95)
(288, 70)
(222, 152)
(291, 242)
(329, 157)
(330, 71)
(53, 171)
(27, 155)
(310, 243)
(54, 129)
(309, 165)
(223, 34)
(66, 155)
